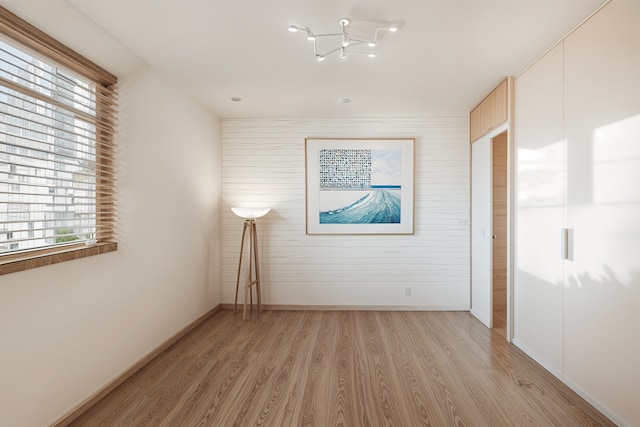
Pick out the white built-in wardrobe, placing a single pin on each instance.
(576, 272)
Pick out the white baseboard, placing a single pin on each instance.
(294, 307)
(582, 393)
(79, 409)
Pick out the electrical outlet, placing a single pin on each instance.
(407, 291)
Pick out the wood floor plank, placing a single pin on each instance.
(380, 387)
(312, 369)
(343, 385)
(316, 395)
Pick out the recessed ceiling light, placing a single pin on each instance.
(236, 99)
(343, 100)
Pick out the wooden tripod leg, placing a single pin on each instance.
(257, 266)
(244, 230)
(252, 249)
(247, 282)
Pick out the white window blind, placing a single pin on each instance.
(56, 154)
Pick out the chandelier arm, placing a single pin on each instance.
(331, 51)
(328, 35)
(358, 41)
(379, 29)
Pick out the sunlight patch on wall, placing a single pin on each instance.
(541, 176)
(541, 181)
(616, 158)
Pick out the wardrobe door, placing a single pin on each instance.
(602, 127)
(539, 186)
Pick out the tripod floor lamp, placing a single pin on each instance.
(252, 267)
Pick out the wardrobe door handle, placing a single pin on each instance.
(566, 245)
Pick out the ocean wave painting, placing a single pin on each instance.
(377, 206)
(359, 186)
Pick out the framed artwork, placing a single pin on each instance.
(359, 186)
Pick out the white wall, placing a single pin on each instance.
(263, 164)
(67, 330)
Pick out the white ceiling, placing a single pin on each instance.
(447, 55)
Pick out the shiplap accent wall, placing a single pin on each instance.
(263, 164)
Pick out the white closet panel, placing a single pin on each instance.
(577, 136)
(602, 283)
(539, 207)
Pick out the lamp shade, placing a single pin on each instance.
(250, 213)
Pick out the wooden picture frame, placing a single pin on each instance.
(359, 185)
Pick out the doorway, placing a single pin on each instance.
(489, 229)
(499, 232)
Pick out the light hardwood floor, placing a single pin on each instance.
(305, 368)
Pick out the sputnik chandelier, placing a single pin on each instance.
(347, 42)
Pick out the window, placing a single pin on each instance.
(57, 119)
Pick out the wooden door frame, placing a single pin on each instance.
(511, 158)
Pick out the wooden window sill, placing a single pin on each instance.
(12, 263)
